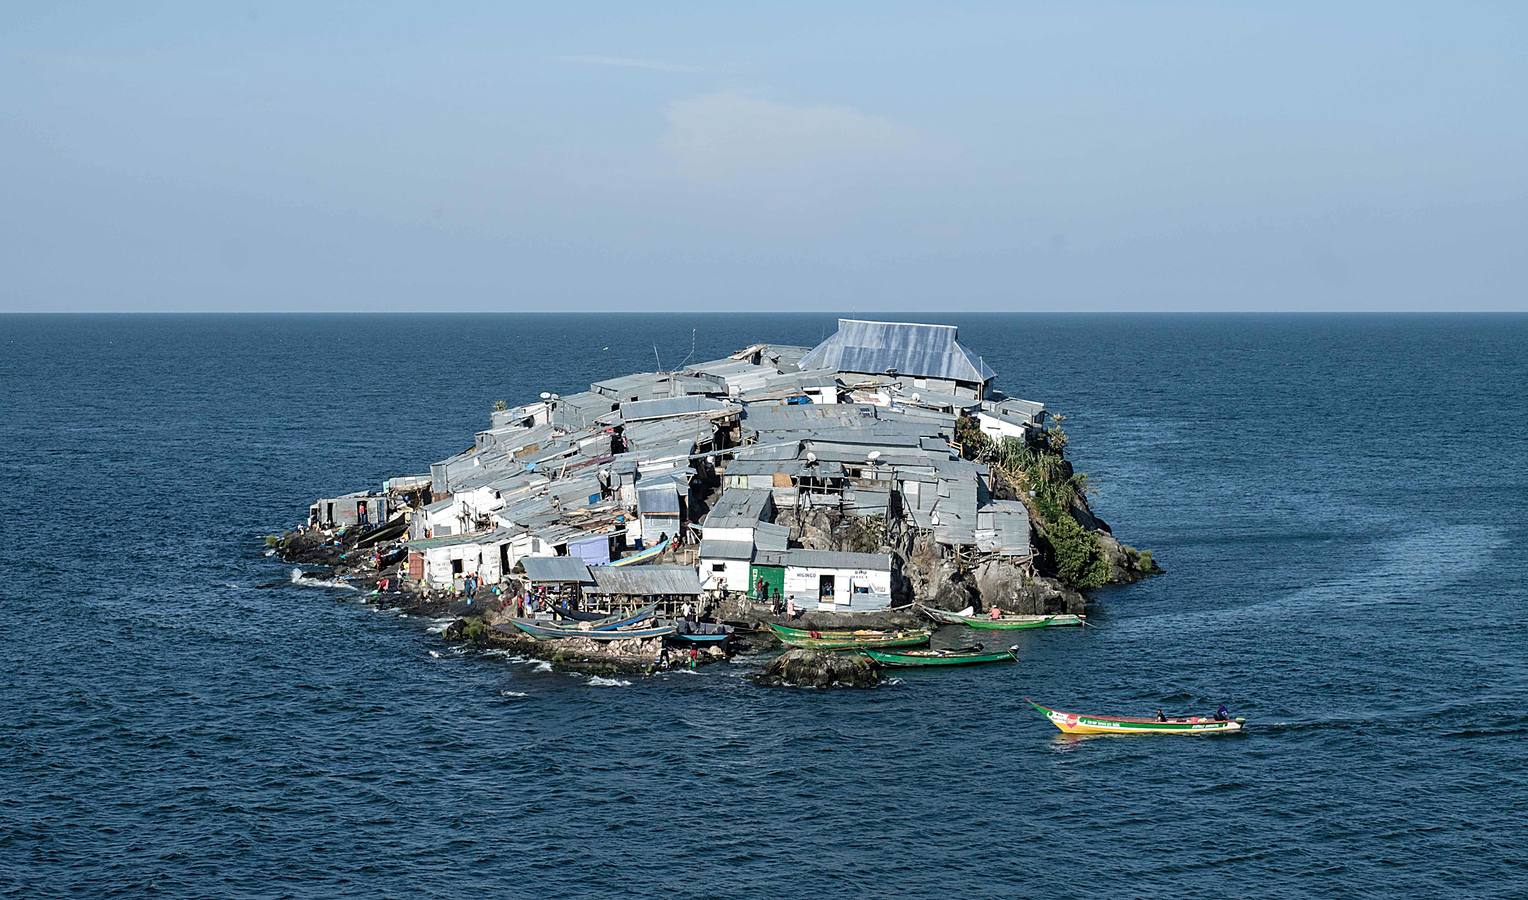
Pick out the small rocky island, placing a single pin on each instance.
(835, 487)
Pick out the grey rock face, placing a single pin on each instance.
(820, 669)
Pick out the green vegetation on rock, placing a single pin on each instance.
(1041, 477)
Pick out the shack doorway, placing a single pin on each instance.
(361, 514)
(825, 588)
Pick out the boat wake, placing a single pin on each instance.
(1404, 571)
(602, 681)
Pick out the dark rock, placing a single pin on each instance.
(1126, 564)
(1009, 588)
(821, 669)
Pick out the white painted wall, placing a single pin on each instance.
(732, 577)
(996, 428)
(801, 584)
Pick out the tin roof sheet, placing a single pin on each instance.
(717, 549)
(906, 348)
(566, 569)
(838, 559)
(640, 580)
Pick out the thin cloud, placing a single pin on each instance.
(625, 62)
(729, 134)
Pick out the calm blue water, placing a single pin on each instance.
(1340, 503)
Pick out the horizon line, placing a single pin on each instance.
(765, 312)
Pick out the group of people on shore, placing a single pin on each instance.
(778, 604)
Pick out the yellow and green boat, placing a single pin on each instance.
(846, 639)
(1079, 723)
(966, 656)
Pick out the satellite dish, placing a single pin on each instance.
(873, 455)
(917, 399)
(545, 395)
(811, 458)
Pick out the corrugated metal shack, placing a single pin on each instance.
(863, 423)
(631, 587)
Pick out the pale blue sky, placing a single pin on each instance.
(1005, 156)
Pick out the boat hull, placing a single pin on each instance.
(909, 660)
(554, 633)
(849, 640)
(1019, 623)
(609, 623)
(643, 556)
(1079, 723)
(1006, 623)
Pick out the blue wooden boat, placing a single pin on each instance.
(701, 632)
(643, 556)
(544, 631)
(606, 621)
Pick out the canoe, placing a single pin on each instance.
(838, 639)
(701, 632)
(1006, 623)
(701, 638)
(607, 621)
(644, 555)
(1078, 723)
(580, 615)
(835, 632)
(944, 617)
(969, 656)
(546, 632)
(1015, 623)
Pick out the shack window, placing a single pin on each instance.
(718, 567)
(456, 567)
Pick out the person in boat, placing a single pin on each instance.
(1222, 714)
(1161, 716)
(994, 613)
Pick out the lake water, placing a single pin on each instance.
(1339, 502)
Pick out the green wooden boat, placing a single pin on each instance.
(968, 656)
(1003, 623)
(1016, 623)
(841, 639)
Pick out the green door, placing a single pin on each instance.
(774, 580)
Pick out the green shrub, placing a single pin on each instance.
(1039, 472)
